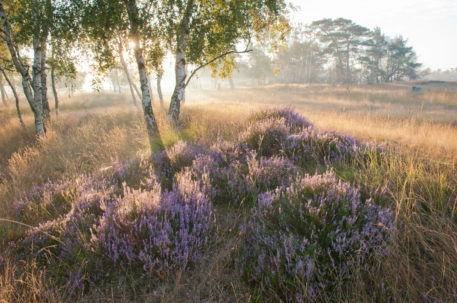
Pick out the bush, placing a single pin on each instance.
(267, 137)
(309, 238)
(159, 232)
(228, 179)
(182, 154)
(149, 231)
(293, 120)
(53, 199)
(331, 147)
(270, 173)
(64, 243)
(311, 147)
(224, 183)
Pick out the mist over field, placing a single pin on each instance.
(208, 151)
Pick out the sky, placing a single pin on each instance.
(429, 25)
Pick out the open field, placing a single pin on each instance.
(415, 176)
(426, 120)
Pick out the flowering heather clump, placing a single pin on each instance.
(293, 120)
(308, 238)
(227, 152)
(67, 239)
(270, 173)
(222, 182)
(182, 154)
(332, 147)
(52, 199)
(267, 137)
(157, 231)
(150, 230)
(311, 147)
(300, 148)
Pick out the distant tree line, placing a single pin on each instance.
(336, 51)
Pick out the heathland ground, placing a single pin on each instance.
(416, 172)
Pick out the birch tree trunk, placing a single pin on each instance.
(159, 88)
(19, 115)
(2, 89)
(146, 100)
(180, 65)
(37, 108)
(127, 74)
(36, 75)
(44, 87)
(180, 86)
(54, 91)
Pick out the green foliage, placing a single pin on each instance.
(217, 27)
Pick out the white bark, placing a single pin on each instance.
(44, 88)
(2, 89)
(180, 64)
(178, 93)
(159, 88)
(54, 91)
(146, 99)
(36, 78)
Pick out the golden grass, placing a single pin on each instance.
(394, 115)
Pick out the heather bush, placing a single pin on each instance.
(267, 137)
(224, 183)
(311, 147)
(308, 239)
(293, 120)
(270, 173)
(227, 152)
(235, 178)
(332, 147)
(182, 154)
(158, 232)
(148, 230)
(65, 243)
(53, 199)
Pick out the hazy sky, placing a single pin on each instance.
(429, 25)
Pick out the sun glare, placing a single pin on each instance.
(132, 44)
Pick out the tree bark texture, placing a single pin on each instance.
(44, 87)
(54, 91)
(180, 65)
(146, 100)
(36, 75)
(2, 89)
(159, 88)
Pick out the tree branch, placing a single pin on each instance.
(215, 59)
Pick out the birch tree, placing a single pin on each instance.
(104, 21)
(206, 33)
(31, 85)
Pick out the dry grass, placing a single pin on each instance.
(419, 169)
(392, 113)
